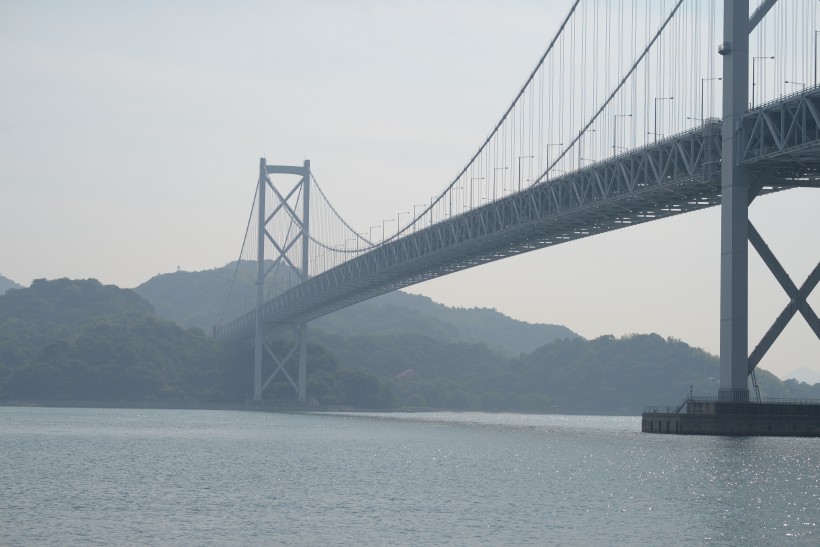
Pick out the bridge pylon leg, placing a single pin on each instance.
(734, 261)
(302, 386)
(288, 258)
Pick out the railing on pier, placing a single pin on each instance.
(677, 409)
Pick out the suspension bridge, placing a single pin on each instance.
(618, 124)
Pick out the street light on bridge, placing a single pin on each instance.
(816, 32)
(385, 221)
(398, 220)
(580, 144)
(519, 169)
(615, 130)
(494, 183)
(452, 191)
(657, 99)
(703, 81)
(754, 60)
(695, 119)
(472, 191)
(796, 83)
(547, 151)
(415, 216)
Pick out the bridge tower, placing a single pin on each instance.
(734, 261)
(738, 190)
(300, 234)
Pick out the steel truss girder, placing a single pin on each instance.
(784, 134)
(676, 175)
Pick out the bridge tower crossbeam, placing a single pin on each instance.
(281, 258)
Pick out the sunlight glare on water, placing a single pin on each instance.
(116, 476)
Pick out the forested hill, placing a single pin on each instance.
(81, 340)
(400, 312)
(195, 299)
(84, 341)
(607, 375)
(6, 284)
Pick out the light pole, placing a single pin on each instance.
(754, 60)
(494, 183)
(415, 216)
(580, 144)
(450, 193)
(656, 113)
(703, 81)
(615, 130)
(384, 234)
(519, 169)
(472, 202)
(816, 32)
(548, 154)
(398, 220)
(796, 83)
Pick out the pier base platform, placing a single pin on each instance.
(775, 419)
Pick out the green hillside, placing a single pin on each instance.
(6, 284)
(603, 376)
(197, 299)
(68, 340)
(84, 341)
(191, 299)
(400, 312)
(81, 340)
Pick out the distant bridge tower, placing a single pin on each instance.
(301, 223)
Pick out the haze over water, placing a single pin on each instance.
(119, 476)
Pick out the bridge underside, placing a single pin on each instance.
(677, 175)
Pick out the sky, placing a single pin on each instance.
(130, 135)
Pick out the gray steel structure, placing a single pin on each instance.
(679, 174)
(300, 235)
(773, 147)
(734, 218)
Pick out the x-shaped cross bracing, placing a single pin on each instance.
(280, 363)
(798, 298)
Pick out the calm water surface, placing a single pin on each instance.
(116, 477)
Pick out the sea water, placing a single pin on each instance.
(199, 477)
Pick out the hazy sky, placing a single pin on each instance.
(130, 134)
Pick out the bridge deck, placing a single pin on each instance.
(676, 175)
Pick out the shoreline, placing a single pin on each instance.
(182, 405)
(268, 407)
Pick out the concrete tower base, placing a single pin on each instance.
(711, 417)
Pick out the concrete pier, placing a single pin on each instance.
(712, 417)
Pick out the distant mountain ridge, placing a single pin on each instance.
(400, 312)
(196, 299)
(6, 284)
(83, 341)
